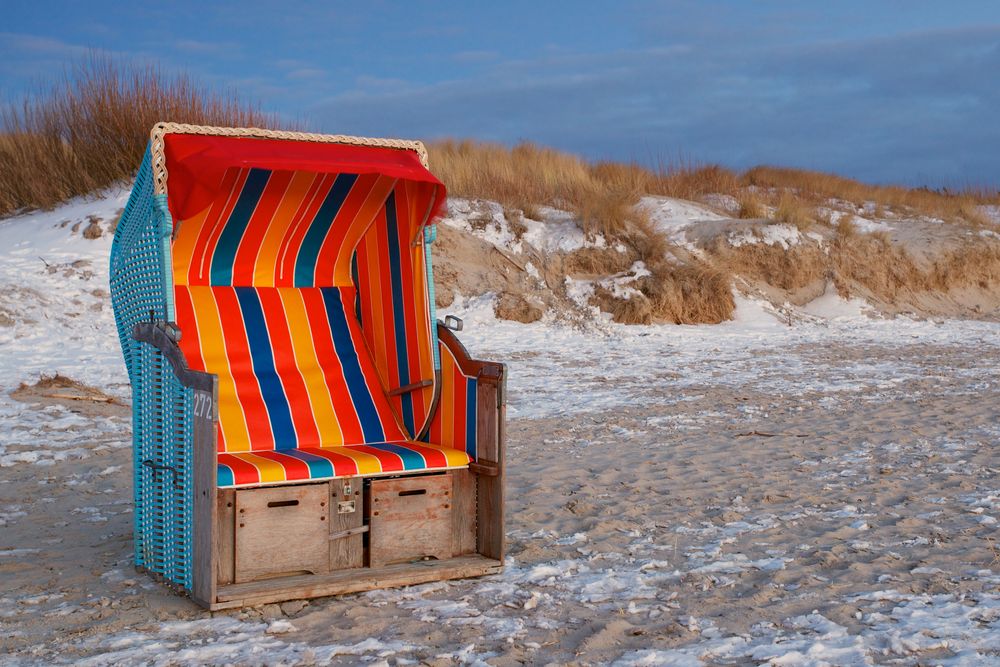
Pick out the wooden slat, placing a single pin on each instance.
(410, 518)
(346, 551)
(353, 581)
(490, 492)
(274, 538)
(224, 536)
(463, 516)
(205, 479)
(413, 386)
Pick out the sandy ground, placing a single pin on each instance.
(763, 501)
(803, 486)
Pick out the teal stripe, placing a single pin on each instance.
(305, 262)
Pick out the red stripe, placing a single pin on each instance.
(434, 458)
(292, 241)
(390, 427)
(295, 469)
(391, 461)
(458, 434)
(243, 471)
(343, 466)
(345, 218)
(238, 354)
(333, 372)
(201, 264)
(294, 387)
(253, 235)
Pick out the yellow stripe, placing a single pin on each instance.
(213, 351)
(270, 471)
(309, 366)
(368, 464)
(455, 457)
(362, 221)
(266, 266)
(183, 246)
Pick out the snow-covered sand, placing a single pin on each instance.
(746, 493)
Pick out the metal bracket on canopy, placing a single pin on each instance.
(453, 323)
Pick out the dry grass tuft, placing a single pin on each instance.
(751, 207)
(793, 211)
(89, 130)
(817, 187)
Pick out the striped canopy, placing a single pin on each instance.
(301, 280)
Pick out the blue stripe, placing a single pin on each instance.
(357, 288)
(364, 404)
(411, 460)
(226, 477)
(319, 467)
(398, 316)
(305, 262)
(221, 272)
(470, 417)
(278, 411)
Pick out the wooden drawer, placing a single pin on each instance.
(281, 530)
(410, 518)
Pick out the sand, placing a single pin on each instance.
(710, 513)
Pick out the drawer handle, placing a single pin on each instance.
(413, 492)
(283, 503)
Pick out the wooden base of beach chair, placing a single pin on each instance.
(349, 535)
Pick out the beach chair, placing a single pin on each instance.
(302, 423)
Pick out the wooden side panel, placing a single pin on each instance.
(204, 504)
(225, 550)
(463, 516)
(281, 530)
(347, 548)
(410, 519)
(490, 495)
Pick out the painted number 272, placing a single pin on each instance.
(202, 405)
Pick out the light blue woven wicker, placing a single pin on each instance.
(162, 411)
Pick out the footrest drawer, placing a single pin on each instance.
(410, 518)
(282, 530)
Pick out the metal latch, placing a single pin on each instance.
(345, 507)
(453, 323)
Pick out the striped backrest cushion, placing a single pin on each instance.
(393, 306)
(292, 364)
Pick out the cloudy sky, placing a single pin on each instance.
(894, 91)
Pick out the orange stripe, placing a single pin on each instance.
(241, 366)
(372, 204)
(233, 435)
(266, 268)
(245, 260)
(338, 229)
(209, 237)
(292, 240)
(292, 383)
(333, 373)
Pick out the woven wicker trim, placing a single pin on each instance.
(160, 130)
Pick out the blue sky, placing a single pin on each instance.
(894, 91)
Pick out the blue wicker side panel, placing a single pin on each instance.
(161, 407)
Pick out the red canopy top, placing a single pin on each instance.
(197, 163)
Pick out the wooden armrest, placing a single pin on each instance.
(485, 469)
(413, 386)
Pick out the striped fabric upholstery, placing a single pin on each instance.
(454, 422)
(393, 307)
(289, 465)
(266, 299)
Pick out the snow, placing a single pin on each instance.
(782, 235)
(557, 230)
(673, 216)
(62, 322)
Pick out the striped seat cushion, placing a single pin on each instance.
(319, 463)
